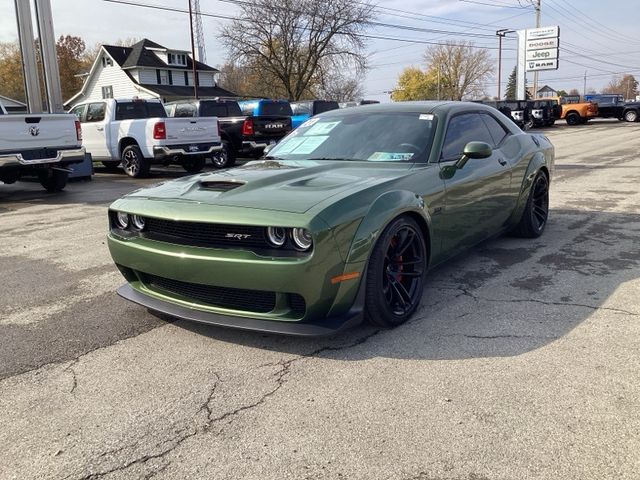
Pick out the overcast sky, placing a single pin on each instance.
(600, 36)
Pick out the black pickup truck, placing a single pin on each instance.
(612, 106)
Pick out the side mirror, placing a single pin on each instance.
(474, 150)
(267, 148)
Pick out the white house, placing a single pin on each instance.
(146, 70)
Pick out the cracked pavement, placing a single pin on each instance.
(522, 362)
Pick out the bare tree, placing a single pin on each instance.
(462, 69)
(290, 40)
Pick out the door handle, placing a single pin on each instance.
(100, 129)
(502, 161)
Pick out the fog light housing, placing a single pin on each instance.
(122, 220)
(277, 236)
(302, 238)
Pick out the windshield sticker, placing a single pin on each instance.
(309, 144)
(322, 128)
(426, 116)
(309, 122)
(390, 156)
(289, 145)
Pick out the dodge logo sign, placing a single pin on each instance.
(34, 131)
(237, 236)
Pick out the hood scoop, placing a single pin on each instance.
(221, 186)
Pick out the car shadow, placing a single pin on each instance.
(506, 297)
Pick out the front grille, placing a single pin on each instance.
(212, 235)
(297, 304)
(233, 298)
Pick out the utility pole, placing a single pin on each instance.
(536, 5)
(193, 53)
(584, 87)
(501, 33)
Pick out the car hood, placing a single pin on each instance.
(287, 186)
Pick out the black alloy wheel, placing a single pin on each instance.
(395, 276)
(573, 119)
(225, 158)
(536, 211)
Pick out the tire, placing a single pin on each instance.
(133, 163)
(573, 119)
(112, 166)
(536, 210)
(193, 164)
(225, 158)
(631, 116)
(53, 180)
(395, 274)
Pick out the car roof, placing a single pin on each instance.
(439, 107)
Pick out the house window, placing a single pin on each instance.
(162, 77)
(106, 61)
(176, 59)
(107, 92)
(186, 78)
(171, 59)
(170, 77)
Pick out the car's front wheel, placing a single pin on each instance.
(395, 274)
(226, 157)
(193, 164)
(573, 119)
(536, 211)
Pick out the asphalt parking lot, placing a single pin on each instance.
(522, 362)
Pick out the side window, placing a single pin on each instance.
(496, 129)
(79, 112)
(95, 112)
(185, 110)
(463, 129)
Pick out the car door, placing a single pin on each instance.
(93, 131)
(606, 107)
(477, 195)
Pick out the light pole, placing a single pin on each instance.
(501, 33)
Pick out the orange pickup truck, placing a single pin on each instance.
(574, 111)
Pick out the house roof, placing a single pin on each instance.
(546, 88)
(187, 92)
(138, 55)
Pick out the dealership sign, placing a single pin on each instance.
(542, 47)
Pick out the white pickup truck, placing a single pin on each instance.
(137, 133)
(42, 145)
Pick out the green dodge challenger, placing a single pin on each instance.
(342, 220)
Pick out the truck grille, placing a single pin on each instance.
(233, 298)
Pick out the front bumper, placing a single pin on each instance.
(166, 151)
(326, 327)
(63, 157)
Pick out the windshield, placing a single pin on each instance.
(370, 136)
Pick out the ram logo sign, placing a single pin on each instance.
(34, 131)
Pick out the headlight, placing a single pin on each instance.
(302, 238)
(276, 236)
(122, 220)
(138, 222)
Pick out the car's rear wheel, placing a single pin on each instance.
(133, 163)
(53, 180)
(193, 164)
(395, 274)
(573, 119)
(226, 157)
(536, 211)
(631, 116)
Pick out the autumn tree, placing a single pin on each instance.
(511, 91)
(11, 78)
(70, 51)
(574, 91)
(288, 41)
(463, 69)
(624, 84)
(415, 84)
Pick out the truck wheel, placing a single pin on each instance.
(134, 164)
(53, 180)
(573, 119)
(111, 166)
(226, 157)
(193, 164)
(631, 116)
